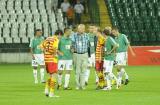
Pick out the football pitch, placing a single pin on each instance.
(17, 88)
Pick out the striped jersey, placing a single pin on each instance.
(100, 48)
(50, 47)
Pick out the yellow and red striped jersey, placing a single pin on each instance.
(50, 47)
(100, 48)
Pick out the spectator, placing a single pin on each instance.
(64, 6)
(70, 16)
(78, 12)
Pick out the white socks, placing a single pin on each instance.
(108, 79)
(35, 75)
(124, 72)
(120, 75)
(97, 79)
(59, 79)
(87, 73)
(42, 74)
(113, 77)
(119, 78)
(66, 80)
(66, 83)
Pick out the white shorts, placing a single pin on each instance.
(91, 60)
(108, 66)
(121, 58)
(39, 60)
(65, 64)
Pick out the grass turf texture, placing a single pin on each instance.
(17, 88)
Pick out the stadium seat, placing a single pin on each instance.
(24, 40)
(14, 30)
(38, 25)
(20, 18)
(45, 29)
(28, 18)
(16, 40)
(151, 36)
(8, 40)
(12, 18)
(1, 40)
(22, 30)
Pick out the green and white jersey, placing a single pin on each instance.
(109, 44)
(122, 42)
(65, 47)
(35, 43)
(92, 42)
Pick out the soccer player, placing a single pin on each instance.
(100, 40)
(37, 56)
(121, 55)
(65, 60)
(50, 48)
(91, 59)
(110, 46)
(108, 32)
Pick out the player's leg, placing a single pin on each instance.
(114, 79)
(61, 67)
(67, 75)
(94, 65)
(123, 72)
(99, 70)
(119, 60)
(52, 84)
(52, 70)
(119, 76)
(35, 73)
(42, 66)
(42, 72)
(123, 68)
(108, 74)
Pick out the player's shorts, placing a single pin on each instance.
(51, 67)
(108, 66)
(39, 60)
(99, 66)
(121, 58)
(91, 60)
(65, 64)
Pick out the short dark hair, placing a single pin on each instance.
(106, 32)
(38, 30)
(59, 32)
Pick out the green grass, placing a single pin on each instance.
(17, 88)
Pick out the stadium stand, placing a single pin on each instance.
(139, 19)
(19, 19)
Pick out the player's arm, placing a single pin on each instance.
(114, 44)
(129, 46)
(131, 50)
(31, 49)
(59, 52)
